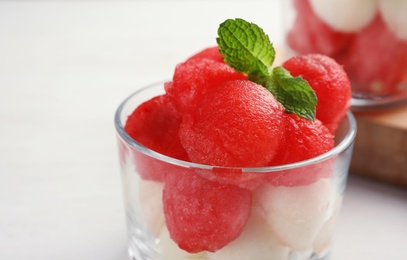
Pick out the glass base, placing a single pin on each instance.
(298, 255)
(140, 245)
(135, 253)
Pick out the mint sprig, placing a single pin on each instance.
(246, 48)
(293, 92)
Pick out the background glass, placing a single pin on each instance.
(369, 38)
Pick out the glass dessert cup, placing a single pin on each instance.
(293, 207)
(369, 38)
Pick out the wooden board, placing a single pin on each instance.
(380, 150)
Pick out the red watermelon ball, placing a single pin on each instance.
(237, 123)
(155, 124)
(304, 139)
(201, 214)
(194, 78)
(329, 81)
(211, 53)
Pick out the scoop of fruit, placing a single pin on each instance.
(169, 250)
(195, 77)
(326, 234)
(255, 242)
(304, 139)
(201, 214)
(211, 53)
(238, 123)
(150, 195)
(295, 214)
(155, 124)
(330, 83)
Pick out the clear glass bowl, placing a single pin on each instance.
(284, 212)
(369, 38)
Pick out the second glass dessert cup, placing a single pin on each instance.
(282, 213)
(368, 38)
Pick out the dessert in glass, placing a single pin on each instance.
(367, 37)
(232, 161)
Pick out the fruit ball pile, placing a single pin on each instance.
(210, 114)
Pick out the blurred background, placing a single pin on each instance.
(65, 66)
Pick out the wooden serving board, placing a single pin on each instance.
(380, 150)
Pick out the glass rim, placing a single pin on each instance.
(378, 102)
(346, 142)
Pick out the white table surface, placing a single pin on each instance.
(64, 68)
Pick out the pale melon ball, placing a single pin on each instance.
(345, 15)
(325, 235)
(255, 242)
(295, 214)
(150, 197)
(394, 13)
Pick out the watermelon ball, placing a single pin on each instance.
(155, 124)
(330, 83)
(295, 214)
(150, 200)
(211, 53)
(201, 214)
(376, 60)
(237, 123)
(304, 139)
(310, 34)
(256, 242)
(170, 250)
(193, 78)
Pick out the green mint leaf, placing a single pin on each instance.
(245, 47)
(294, 93)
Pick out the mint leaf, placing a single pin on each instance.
(245, 47)
(294, 93)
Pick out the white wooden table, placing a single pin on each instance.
(64, 68)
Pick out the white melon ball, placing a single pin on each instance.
(169, 250)
(345, 15)
(150, 196)
(324, 238)
(255, 242)
(295, 214)
(394, 13)
(325, 235)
